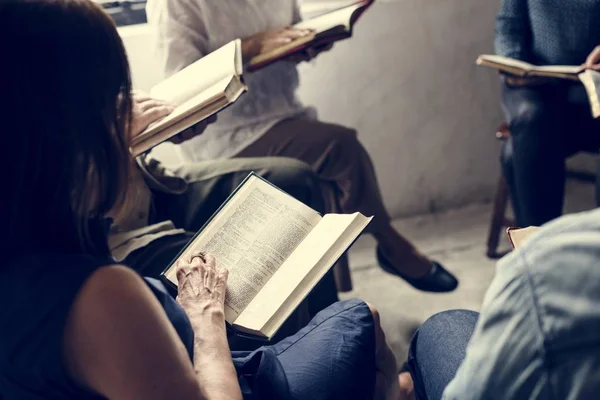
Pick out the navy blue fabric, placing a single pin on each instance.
(437, 350)
(36, 293)
(332, 358)
(548, 31)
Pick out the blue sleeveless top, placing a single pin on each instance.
(37, 293)
(331, 358)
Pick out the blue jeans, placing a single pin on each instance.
(437, 350)
(548, 123)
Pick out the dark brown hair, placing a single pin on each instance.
(66, 107)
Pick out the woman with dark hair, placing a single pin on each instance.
(75, 325)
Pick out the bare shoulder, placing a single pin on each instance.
(112, 324)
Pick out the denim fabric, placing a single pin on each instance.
(437, 350)
(332, 358)
(538, 333)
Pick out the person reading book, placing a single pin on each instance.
(536, 335)
(271, 121)
(549, 119)
(75, 324)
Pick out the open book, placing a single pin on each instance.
(327, 28)
(276, 250)
(589, 78)
(197, 92)
(518, 236)
(524, 69)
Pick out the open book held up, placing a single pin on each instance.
(198, 91)
(589, 78)
(276, 250)
(328, 28)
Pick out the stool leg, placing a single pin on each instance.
(498, 217)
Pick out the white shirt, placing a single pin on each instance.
(186, 30)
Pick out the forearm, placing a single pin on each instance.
(212, 361)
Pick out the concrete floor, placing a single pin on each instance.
(457, 239)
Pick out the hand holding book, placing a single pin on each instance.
(147, 110)
(593, 60)
(202, 285)
(276, 250)
(268, 41)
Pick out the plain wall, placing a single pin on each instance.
(407, 82)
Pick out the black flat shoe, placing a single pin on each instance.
(437, 280)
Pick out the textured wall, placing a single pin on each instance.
(408, 84)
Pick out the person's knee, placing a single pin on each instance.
(506, 157)
(529, 117)
(293, 177)
(447, 324)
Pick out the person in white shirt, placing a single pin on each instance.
(271, 121)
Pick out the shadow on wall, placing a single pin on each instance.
(407, 82)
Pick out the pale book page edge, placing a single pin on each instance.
(522, 68)
(291, 275)
(281, 51)
(495, 61)
(592, 87)
(316, 274)
(149, 139)
(214, 67)
(317, 23)
(559, 69)
(193, 105)
(518, 236)
(150, 142)
(341, 17)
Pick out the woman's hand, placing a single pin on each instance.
(593, 60)
(202, 290)
(202, 295)
(147, 110)
(270, 40)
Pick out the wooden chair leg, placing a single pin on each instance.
(498, 217)
(341, 273)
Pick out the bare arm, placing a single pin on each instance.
(120, 344)
(202, 294)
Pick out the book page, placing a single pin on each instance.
(199, 76)
(518, 236)
(558, 69)
(195, 103)
(251, 236)
(510, 64)
(591, 82)
(487, 59)
(302, 270)
(322, 23)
